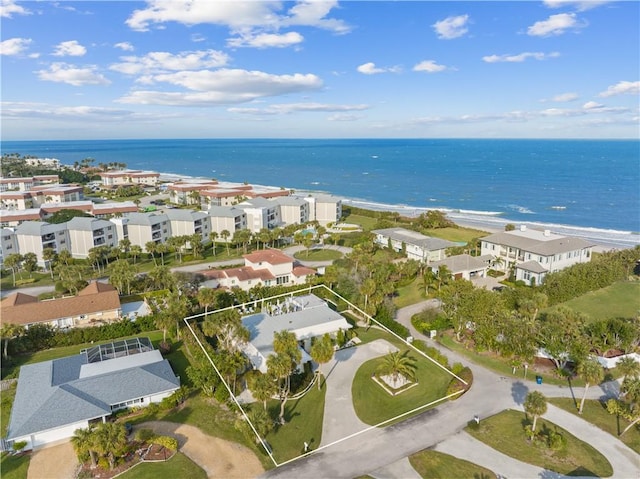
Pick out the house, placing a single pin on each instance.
(324, 209)
(227, 218)
(189, 222)
(35, 236)
(464, 266)
(55, 398)
(532, 253)
(117, 178)
(306, 316)
(96, 304)
(270, 267)
(416, 245)
(86, 233)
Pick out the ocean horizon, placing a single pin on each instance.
(588, 188)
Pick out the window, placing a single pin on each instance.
(526, 275)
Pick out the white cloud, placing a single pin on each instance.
(266, 40)
(72, 75)
(344, 117)
(9, 7)
(562, 97)
(519, 57)
(237, 15)
(370, 68)
(14, 46)
(197, 38)
(125, 46)
(26, 111)
(555, 25)
(580, 5)
(451, 27)
(429, 66)
(225, 86)
(157, 62)
(286, 108)
(622, 88)
(71, 48)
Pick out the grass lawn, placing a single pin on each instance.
(505, 433)
(374, 405)
(6, 403)
(596, 413)
(437, 465)
(303, 423)
(178, 466)
(367, 222)
(318, 255)
(410, 294)
(14, 467)
(502, 366)
(620, 300)
(457, 235)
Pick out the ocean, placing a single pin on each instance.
(589, 188)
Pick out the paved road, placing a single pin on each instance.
(383, 451)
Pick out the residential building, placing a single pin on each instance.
(56, 194)
(532, 253)
(223, 196)
(16, 201)
(270, 267)
(307, 317)
(140, 228)
(415, 245)
(96, 304)
(464, 266)
(27, 183)
(261, 213)
(8, 244)
(117, 178)
(189, 192)
(17, 217)
(55, 398)
(189, 222)
(227, 218)
(293, 210)
(86, 233)
(52, 163)
(34, 236)
(324, 209)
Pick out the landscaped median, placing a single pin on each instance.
(437, 465)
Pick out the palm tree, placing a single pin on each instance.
(535, 404)
(282, 364)
(213, 236)
(224, 234)
(83, 442)
(322, 352)
(206, 297)
(262, 387)
(629, 367)
(367, 288)
(9, 331)
(152, 249)
(398, 364)
(12, 262)
(135, 251)
(111, 439)
(49, 255)
(591, 372)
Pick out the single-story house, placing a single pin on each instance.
(464, 266)
(96, 304)
(305, 316)
(55, 398)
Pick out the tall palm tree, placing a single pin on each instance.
(213, 236)
(398, 364)
(83, 442)
(49, 255)
(283, 363)
(206, 298)
(111, 439)
(225, 234)
(535, 404)
(322, 352)
(135, 251)
(591, 372)
(152, 248)
(629, 367)
(263, 387)
(8, 332)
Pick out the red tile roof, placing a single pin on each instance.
(271, 256)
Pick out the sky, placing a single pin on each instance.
(319, 69)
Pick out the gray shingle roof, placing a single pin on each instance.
(184, 215)
(51, 394)
(461, 262)
(225, 212)
(414, 238)
(537, 242)
(532, 266)
(82, 223)
(38, 228)
(146, 218)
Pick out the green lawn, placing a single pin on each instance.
(318, 255)
(6, 398)
(596, 413)
(457, 235)
(178, 466)
(505, 433)
(367, 222)
(303, 424)
(14, 467)
(374, 405)
(437, 465)
(620, 300)
(410, 294)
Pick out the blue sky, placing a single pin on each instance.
(319, 69)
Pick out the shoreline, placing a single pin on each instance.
(489, 221)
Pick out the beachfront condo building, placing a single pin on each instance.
(189, 222)
(35, 236)
(39, 195)
(415, 245)
(226, 218)
(261, 213)
(141, 228)
(324, 209)
(116, 178)
(88, 233)
(532, 253)
(293, 210)
(8, 244)
(27, 183)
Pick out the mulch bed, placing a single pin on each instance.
(151, 453)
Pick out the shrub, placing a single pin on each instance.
(19, 445)
(457, 368)
(168, 442)
(456, 385)
(103, 463)
(25, 281)
(145, 435)
(432, 352)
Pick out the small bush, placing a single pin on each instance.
(145, 435)
(103, 463)
(456, 385)
(432, 352)
(457, 368)
(21, 282)
(168, 442)
(19, 445)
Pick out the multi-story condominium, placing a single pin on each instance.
(38, 195)
(189, 222)
(189, 192)
(34, 236)
(87, 233)
(141, 228)
(17, 217)
(324, 209)
(26, 183)
(129, 177)
(415, 245)
(16, 200)
(116, 208)
(223, 197)
(532, 253)
(8, 243)
(227, 218)
(293, 210)
(99, 210)
(268, 267)
(261, 213)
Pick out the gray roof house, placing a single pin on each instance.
(417, 246)
(55, 398)
(464, 266)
